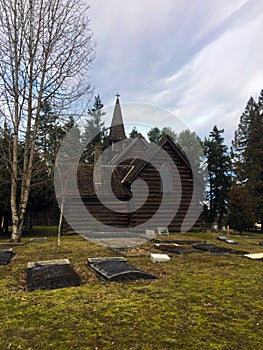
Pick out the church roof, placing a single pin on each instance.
(133, 148)
(138, 164)
(117, 132)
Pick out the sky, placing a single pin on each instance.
(201, 60)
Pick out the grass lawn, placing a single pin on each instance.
(199, 301)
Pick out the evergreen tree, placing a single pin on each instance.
(191, 145)
(52, 129)
(167, 130)
(219, 177)
(247, 152)
(155, 134)
(241, 139)
(94, 126)
(134, 133)
(240, 205)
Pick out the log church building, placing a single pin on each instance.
(128, 160)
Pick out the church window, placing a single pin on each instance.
(166, 179)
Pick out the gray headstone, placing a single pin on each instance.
(51, 274)
(150, 233)
(231, 241)
(38, 239)
(160, 257)
(222, 238)
(163, 231)
(179, 241)
(173, 248)
(5, 256)
(256, 256)
(215, 249)
(117, 269)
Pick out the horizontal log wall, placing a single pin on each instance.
(150, 175)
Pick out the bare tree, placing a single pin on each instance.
(46, 50)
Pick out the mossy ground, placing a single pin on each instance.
(199, 301)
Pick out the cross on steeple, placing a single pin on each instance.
(117, 132)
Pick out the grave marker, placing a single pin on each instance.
(6, 256)
(163, 231)
(160, 257)
(51, 274)
(38, 239)
(174, 248)
(150, 233)
(222, 238)
(215, 249)
(231, 241)
(117, 269)
(256, 256)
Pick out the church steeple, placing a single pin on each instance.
(117, 132)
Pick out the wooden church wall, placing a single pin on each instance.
(99, 211)
(121, 219)
(174, 199)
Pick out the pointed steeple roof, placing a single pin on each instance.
(117, 132)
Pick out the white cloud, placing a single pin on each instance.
(200, 59)
(222, 77)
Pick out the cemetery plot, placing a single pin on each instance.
(51, 274)
(133, 251)
(160, 257)
(256, 256)
(163, 230)
(5, 256)
(117, 269)
(179, 241)
(231, 241)
(222, 238)
(215, 249)
(38, 240)
(150, 233)
(174, 248)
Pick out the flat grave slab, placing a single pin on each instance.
(117, 269)
(174, 248)
(179, 241)
(38, 239)
(256, 256)
(215, 249)
(9, 245)
(150, 233)
(222, 238)
(163, 231)
(51, 274)
(5, 256)
(131, 251)
(231, 241)
(160, 257)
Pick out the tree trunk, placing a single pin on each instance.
(2, 218)
(17, 231)
(60, 225)
(42, 46)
